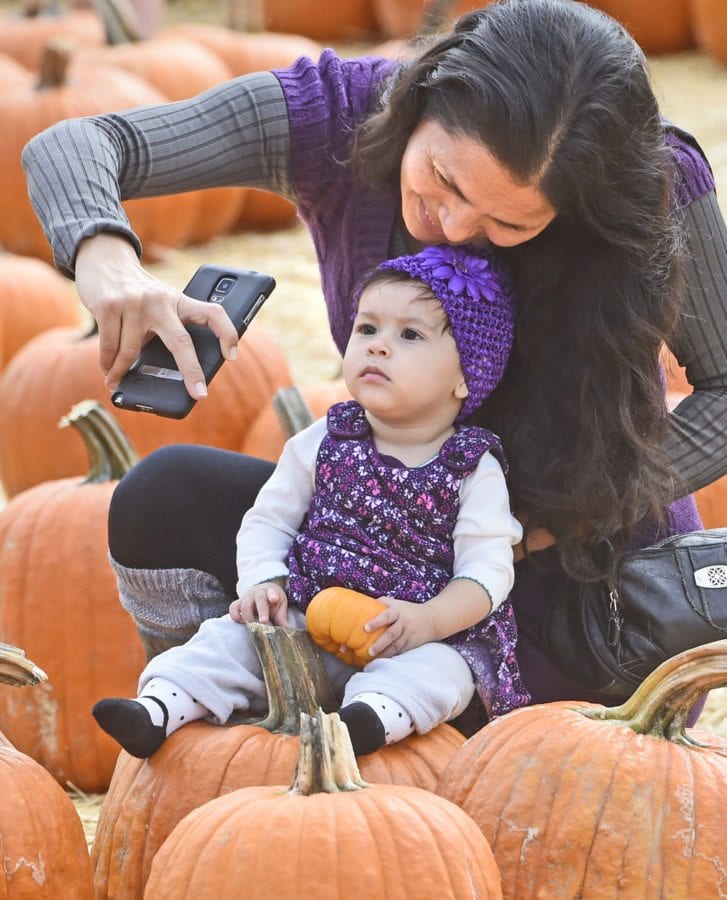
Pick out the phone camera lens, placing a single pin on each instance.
(224, 285)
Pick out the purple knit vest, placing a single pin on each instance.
(386, 529)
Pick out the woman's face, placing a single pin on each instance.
(453, 191)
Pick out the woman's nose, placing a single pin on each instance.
(456, 223)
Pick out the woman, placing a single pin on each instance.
(533, 128)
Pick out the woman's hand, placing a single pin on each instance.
(130, 305)
(262, 603)
(407, 624)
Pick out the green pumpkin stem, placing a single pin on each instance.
(660, 705)
(292, 411)
(327, 764)
(109, 452)
(294, 676)
(54, 63)
(16, 669)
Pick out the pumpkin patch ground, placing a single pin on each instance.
(295, 315)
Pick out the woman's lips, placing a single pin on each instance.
(429, 222)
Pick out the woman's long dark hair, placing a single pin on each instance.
(560, 95)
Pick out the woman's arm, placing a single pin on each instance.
(80, 170)
(697, 439)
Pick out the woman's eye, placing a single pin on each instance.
(410, 335)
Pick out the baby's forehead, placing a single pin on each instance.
(386, 292)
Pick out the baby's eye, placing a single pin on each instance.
(410, 335)
(365, 328)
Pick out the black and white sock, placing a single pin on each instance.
(143, 724)
(374, 720)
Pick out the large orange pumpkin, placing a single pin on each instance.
(347, 20)
(65, 90)
(60, 367)
(245, 52)
(338, 837)
(41, 838)
(13, 73)
(59, 600)
(579, 800)
(659, 26)
(404, 18)
(33, 298)
(147, 798)
(709, 21)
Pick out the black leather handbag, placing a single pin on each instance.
(664, 599)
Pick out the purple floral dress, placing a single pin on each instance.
(381, 528)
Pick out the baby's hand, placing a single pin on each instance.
(262, 603)
(408, 625)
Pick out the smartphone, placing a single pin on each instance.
(154, 384)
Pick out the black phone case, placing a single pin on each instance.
(153, 383)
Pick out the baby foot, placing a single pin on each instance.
(130, 723)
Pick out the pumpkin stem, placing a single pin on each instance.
(16, 669)
(292, 411)
(109, 452)
(54, 64)
(294, 676)
(661, 704)
(327, 764)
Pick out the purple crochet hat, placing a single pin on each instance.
(475, 293)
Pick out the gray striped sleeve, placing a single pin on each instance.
(80, 170)
(697, 441)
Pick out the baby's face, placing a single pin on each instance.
(401, 362)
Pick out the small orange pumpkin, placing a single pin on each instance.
(335, 619)
(581, 800)
(339, 837)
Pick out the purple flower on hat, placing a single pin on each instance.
(463, 273)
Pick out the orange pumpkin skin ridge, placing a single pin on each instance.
(336, 617)
(575, 807)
